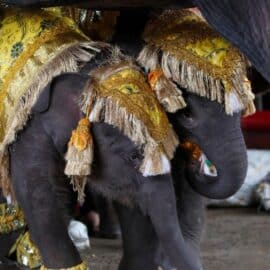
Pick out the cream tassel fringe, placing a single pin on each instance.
(167, 93)
(79, 156)
(155, 162)
(5, 177)
(197, 82)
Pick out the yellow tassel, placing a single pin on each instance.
(79, 156)
(81, 137)
(166, 91)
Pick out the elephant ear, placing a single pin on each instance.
(44, 100)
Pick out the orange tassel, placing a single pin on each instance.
(194, 150)
(153, 77)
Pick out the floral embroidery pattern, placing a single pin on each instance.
(16, 49)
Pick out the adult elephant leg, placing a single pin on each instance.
(35, 165)
(139, 239)
(157, 199)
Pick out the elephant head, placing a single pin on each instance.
(220, 137)
(211, 73)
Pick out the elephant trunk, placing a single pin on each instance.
(229, 156)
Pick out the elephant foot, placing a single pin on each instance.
(164, 262)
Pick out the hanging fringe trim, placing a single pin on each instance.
(108, 111)
(79, 156)
(198, 59)
(68, 60)
(81, 266)
(197, 82)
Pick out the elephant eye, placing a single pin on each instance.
(187, 113)
(186, 118)
(132, 158)
(135, 159)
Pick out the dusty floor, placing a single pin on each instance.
(235, 239)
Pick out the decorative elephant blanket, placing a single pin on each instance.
(34, 48)
(183, 48)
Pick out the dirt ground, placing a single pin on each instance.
(235, 239)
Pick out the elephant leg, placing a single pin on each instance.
(191, 214)
(139, 239)
(157, 199)
(35, 166)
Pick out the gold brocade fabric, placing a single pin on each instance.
(129, 89)
(11, 218)
(28, 41)
(187, 37)
(26, 252)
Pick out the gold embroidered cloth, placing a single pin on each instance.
(35, 47)
(130, 90)
(198, 59)
(28, 41)
(188, 37)
(11, 218)
(120, 95)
